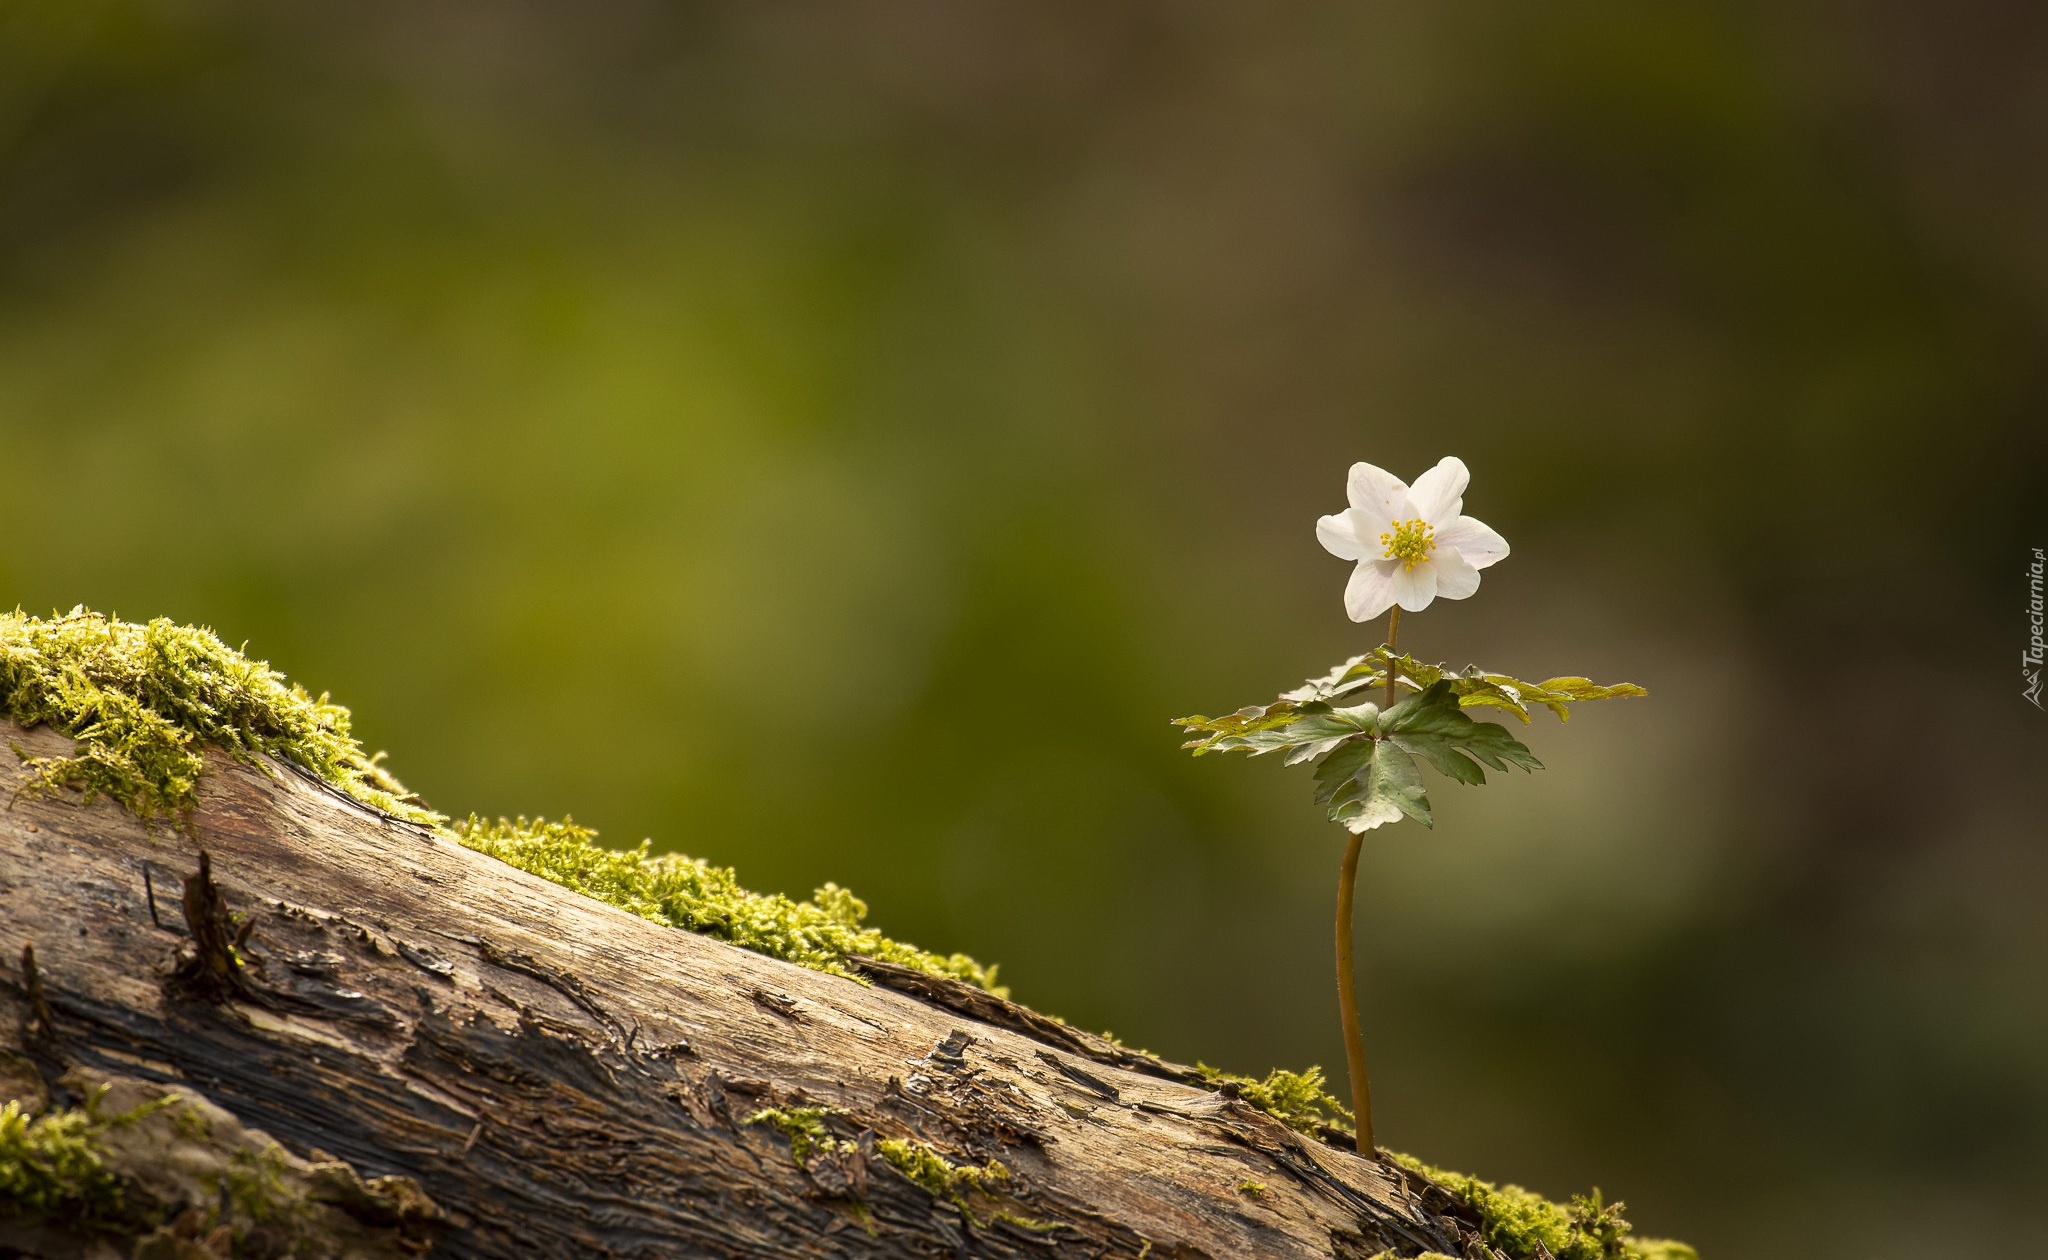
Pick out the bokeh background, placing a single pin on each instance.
(833, 440)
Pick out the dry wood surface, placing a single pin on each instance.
(503, 1068)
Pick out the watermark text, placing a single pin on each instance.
(2030, 660)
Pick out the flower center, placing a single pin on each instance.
(1410, 542)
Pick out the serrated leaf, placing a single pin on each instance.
(1433, 726)
(1341, 766)
(1368, 783)
(1475, 687)
(1283, 725)
(1337, 682)
(1575, 689)
(1366, 756)
(1308, 752)
(1232, 730)
(1447, 760)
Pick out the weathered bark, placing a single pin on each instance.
(561, 1078)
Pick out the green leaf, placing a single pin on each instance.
(1558, 690)
(1341, 766)
(1366, 756)
(1283, 725)
(1369, 782)
(1447, 760)
(1433, 726)
(1474, 687)
(1348, 677)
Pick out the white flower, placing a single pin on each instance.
(1410, 542)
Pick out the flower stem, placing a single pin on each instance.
(1393, 671)
(1347, 979)
(1347, 998)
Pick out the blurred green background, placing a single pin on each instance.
(833, 440)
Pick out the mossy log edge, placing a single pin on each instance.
(504, 1069)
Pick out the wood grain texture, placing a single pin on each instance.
(566, 1079)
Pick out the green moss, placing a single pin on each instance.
(809, 1134)
(48, 1164)
(943, 1179)
(1252, 1189)
(143, 701)
(1296, 1099)
(864, 1218)
(1299, 1100)
(692, 894)
(254, 1183)
(937, 1174)
(1515, 1220)
(803, 1126)
(51, 1165)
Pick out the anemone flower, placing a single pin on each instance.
(1410, 542)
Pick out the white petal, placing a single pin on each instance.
(1439, 493)
(1455, 578)
(1414, 588)
(1368, 526)
(1474, 540)
(1378, 494)
(1370, 591)
(1339, 536)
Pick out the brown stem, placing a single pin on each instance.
(1393, 671)
(1347, 998)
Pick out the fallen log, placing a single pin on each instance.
(520, 1072)
(268, 1004)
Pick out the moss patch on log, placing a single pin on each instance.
(1299, 1100)
(1518, 1221)
(163, 1166)
(809, 1130)
(803, 1126)
(940, 1177)
(52, 1165)
(694, 895)
(143, 701)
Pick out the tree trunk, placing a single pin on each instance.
(453, 1055)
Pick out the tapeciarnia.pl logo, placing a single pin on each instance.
(2030, 660)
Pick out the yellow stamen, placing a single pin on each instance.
(1410, 542)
